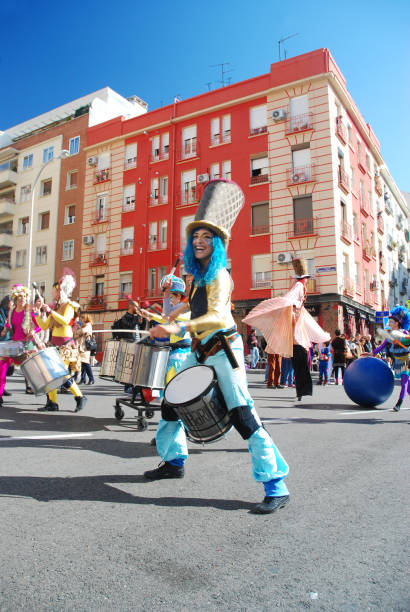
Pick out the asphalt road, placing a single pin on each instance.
(82, 529)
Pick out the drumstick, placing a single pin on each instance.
(178, 259)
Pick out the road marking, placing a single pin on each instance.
(53, 437)
(368, 411)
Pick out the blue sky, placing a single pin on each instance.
(53, 52)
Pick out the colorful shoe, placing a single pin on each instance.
(271, 504)
(165, 470)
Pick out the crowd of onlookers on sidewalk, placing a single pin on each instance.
(329, 359)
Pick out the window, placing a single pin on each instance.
(163, 234)
(259, 170)
(101, 207)
(161, 273)
(164, 189)
(27, 161)
(127, 241)
(350, 133)
(301, 168)
(357, 275)
(260, 218)
(356, 235)
(184, 222)
(226, 169)
(189, 141)
(215, 131)
(100, 244)
(68, 250)
(25, 193)
(74, 145)
(131, 156)
(41, 255)
(45, 187)
(125, 285)
(129, 198)
(104, 160)
(353, 179)
(257, 119)
(303, 215)
(21, 258)
(155, 148)
(226, 128)
(215, 171)
(151, 280)
(165, 145)
(72, 179)
(152, 238)
(69, 214)
(44, 220)
(48, 154)
(299, 113)
(99, 285)
(188, 186)
(23, 225)
(261, 271)
(154, 190)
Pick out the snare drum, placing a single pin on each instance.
(109, 358)
(125, 360)
(45, 371)
(195, 397)
(150, 366)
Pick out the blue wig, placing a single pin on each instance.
(216, 263)
(401, 315)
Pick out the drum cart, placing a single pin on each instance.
(137, 401)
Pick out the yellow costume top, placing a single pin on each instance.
(211, 306)
(59, 320)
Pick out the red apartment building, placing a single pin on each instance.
(307, 162)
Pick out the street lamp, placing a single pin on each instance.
(63, 154)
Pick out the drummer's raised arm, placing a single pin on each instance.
(184, 307)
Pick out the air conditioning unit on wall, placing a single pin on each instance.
(92, 161)
(88, 239)
(202, 178)
(279, 114)
(284, 257)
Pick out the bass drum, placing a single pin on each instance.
(44, 371)
(109, 358)
(125, 360)
(196, 398)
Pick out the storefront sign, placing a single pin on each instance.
(326, 269)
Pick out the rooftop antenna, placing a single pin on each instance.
(223, 71)
(282, 40)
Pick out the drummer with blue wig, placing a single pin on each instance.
(217, 343)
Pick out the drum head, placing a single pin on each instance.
(189, 384)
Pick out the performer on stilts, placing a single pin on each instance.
(59, 321)
(399, 349)
(289, 329)
(216, 343)
(22, 324)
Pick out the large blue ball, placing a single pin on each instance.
(368, 381)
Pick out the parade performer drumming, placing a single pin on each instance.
(288, 328)
(399, 349)
(22, 324)
(211, 318)
(59, 322)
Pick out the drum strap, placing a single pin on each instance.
(221, 341)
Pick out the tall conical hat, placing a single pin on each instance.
(300, 268)
(220, 204)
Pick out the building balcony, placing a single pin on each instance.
(302, 227)
(8, 177)
(382, 263)
(7, 207)
(380, 224)
(259, 178)
(378, 185)
(100, 218)
(101, 176)
(99, 259)
(258, 130)
(368, 252)
(296, 176)
(299, 123)
(97, 302)
(189, 149)
(6, 239)
(348, 287)
(365, 205)
(259, 229)
(346, 232)
(262, 280)
(218, 139)
(361, 162)
(5, 271)
(341, 131)
(343, 179)
(157, 155)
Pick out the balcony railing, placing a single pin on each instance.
(348, 287)
(99, 259)
(130, 163)
(382, 263)
(158, 155)
(346, 231)
(218, 139)
(365, 205)
(299, 123)
(187, 196)
(261, 280)
(125, 295)
(97, 302)
(128, 206)
(7, 207)
(8, 178)
(343, 178)
(5, 271)
(369, 297)
(368, 252)
(380, 224)
(102, 175)
(162, 244)
(259, 229)
(258, 130)
(341, 130)
(378, 185)
(302, 227)
(259, 178)
(303, 174)
(127, 248)
(190, 148)
(100, 217)
(153, 292)
(153, 199)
